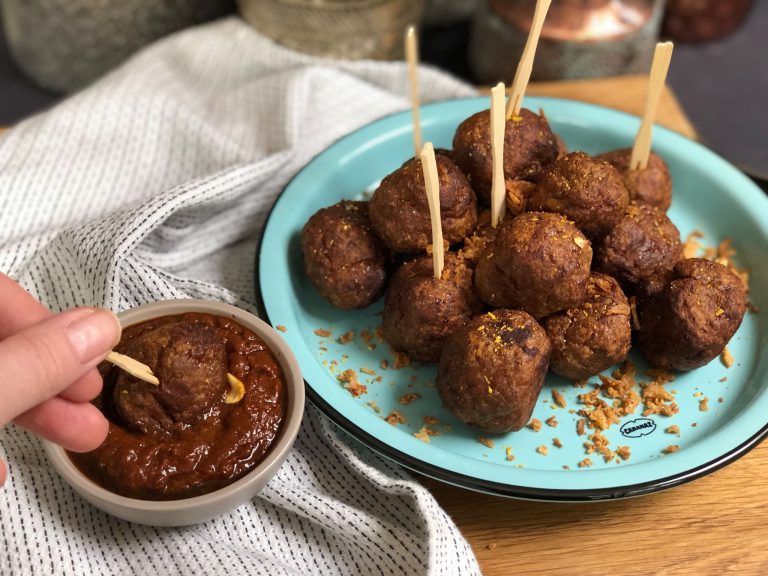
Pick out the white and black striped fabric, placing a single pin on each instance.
(154, 184)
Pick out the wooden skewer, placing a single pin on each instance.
(429, 167)
(133, 367)
(412, 56)
(498, 125)
(641, 150)
(525, 66)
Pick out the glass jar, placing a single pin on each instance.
(350, 29)
(64, 44)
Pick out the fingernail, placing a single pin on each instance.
(94, 334)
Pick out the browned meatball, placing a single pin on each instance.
(588, 191)
(343, 258)
(539, 262)
(492, 370)
(596, 334)
(190, 360)
(420, 310)
(651, 185)
(399, 209)
(529, 147)
(688, 323)
(643, 244)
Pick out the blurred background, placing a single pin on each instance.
(719, 70)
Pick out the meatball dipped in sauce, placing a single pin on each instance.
(539, 262)
(343, 259)
(596, 334)
(688, 322)
(190, 360)
(642, 245)
(529, 147)
(399, 209)
(420, 311)
(588, 191)
(651, 185)
(492, 370)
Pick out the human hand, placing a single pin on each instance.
(48, 368)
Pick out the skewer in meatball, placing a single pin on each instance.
(343, 258)
(689, 321)
(596, 334)
(652, 185)
(539, 262)
(643, 244)
(420, 311)
(484, 234)
(588, 191)
(399, 210)
(190, 360)
(492, 370)
(529, 146)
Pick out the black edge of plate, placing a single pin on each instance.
(477, 484)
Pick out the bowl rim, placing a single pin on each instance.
(288, 432)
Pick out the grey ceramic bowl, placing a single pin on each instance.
(200, 508)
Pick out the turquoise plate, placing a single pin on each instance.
(710, 195)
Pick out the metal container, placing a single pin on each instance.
(64, 44)
(579, 39)
(350, 29)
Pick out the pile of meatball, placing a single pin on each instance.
(548, 289)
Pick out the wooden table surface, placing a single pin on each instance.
(713, 525)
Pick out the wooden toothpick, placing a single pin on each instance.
(429, 167)
(498, 125)
(133, 367)
(641, 150)
(525, 66)
(412, 56)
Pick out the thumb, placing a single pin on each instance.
(44, 359)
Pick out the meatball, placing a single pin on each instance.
(588, 191)
(529, 147)
(643, 244)
(688, 323)
(596, 334)
(652, 185)
(343, 258)
(420, 310)
(399, 209)
(190, 360)
(492, 370)
(539, 262)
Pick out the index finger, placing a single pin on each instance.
(20, 310)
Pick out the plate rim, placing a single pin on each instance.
(478, 484)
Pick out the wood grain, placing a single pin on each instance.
(713, 525)
(625, 93)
